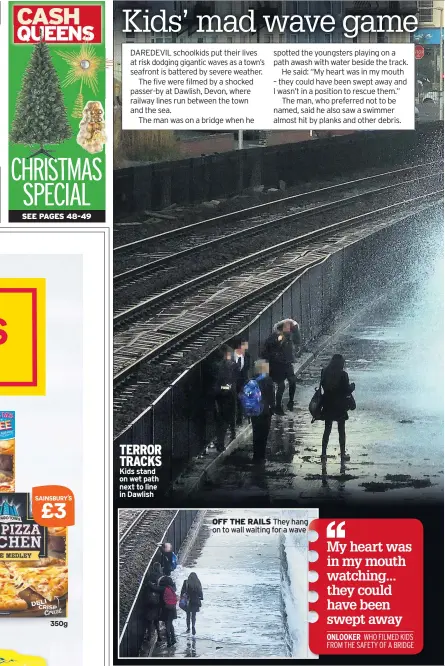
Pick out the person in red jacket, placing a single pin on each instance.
(168, 608)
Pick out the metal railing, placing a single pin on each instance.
(197, 179)
(181, 420)
(136, 625)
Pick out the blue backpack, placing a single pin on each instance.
(251, 398)
(174, 561)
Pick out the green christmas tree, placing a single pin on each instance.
(40, 116)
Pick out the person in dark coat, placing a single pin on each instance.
(261, 423)
(279, 350)
(193, 589)
(168, 615)
(242, 364)
(154, 600)
(224, 392)
(336, 389)
(167, 559)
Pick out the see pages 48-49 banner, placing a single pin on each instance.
(57, 124)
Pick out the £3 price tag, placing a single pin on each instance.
(53, 506)
(54, 510)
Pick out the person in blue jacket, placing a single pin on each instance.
(168, 559)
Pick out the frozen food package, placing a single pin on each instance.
(33, 563)
(7, 452)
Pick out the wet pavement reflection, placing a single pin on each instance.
(394, 355)
(247, 597)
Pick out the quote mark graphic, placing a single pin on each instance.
(333, 532)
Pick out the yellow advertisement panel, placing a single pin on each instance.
(11, 657)
(22, 336)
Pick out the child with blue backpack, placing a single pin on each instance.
(257, 399)
(169, 560)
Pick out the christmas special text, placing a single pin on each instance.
(61, 182)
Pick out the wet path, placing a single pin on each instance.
(394, 438)
(246, 596)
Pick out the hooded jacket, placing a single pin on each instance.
(279, 348)
(166, 614)
(295, 332)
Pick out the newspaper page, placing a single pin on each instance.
(278, 416)
(54, 323)
(221, 332)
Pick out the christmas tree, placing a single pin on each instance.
(40, 116)
(78, 107)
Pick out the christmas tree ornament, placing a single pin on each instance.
(91, 134)
(40, 114)
(85, 66)
(78, 106)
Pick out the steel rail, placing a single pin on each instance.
(262, 207)
(150, 562)
(202, 323)
(131, 527)
(320, 208)
(167, 294)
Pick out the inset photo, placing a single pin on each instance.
(213, 584)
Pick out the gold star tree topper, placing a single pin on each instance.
(85, 66)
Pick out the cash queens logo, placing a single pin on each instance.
(58, 115)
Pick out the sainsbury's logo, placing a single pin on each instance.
(57, 24)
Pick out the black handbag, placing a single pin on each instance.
(316, 403)
(350, 403)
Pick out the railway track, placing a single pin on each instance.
(194, 316)
(136, 546)
(311, 224)
(128, 521)
(144, 251)
(198, 253)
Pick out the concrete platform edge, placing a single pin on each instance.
(195, 482)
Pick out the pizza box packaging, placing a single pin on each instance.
(33, 562)
(7, 452)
